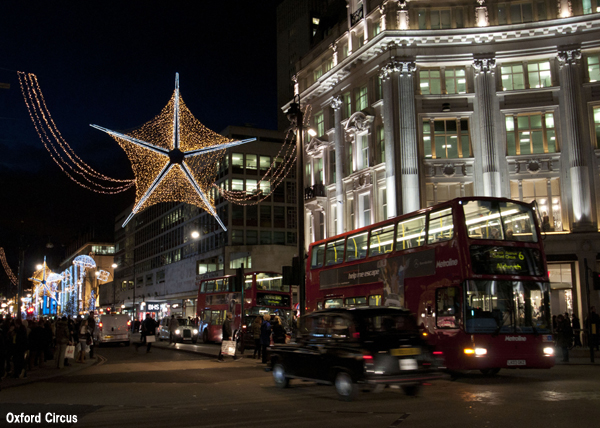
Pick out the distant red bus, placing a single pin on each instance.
(263, 293)
(472, 270)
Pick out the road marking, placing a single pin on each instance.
(399, 420)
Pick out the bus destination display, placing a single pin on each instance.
(492, 260)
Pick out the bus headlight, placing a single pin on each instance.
(548, 351)
(480, 352)
(177, 331)
(195, 331)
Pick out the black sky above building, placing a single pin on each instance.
(113, 63)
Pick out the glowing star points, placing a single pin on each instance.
(174, 158)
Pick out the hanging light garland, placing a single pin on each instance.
(7, 268)
(174, 158)
(60, 151)
(280, 172)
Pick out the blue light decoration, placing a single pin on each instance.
(171, 169)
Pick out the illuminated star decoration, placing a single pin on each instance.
(165, 155)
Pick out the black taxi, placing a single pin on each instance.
(347, 347)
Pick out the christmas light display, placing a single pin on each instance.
(45, 283)
(60, 151)
(7, 268)
(174, 158)
(280, 172)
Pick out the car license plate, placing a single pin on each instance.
(408, 364)
(516, 363)
(401, 352)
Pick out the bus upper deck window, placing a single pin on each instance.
(317, 256)
(382, 240)
(410, 233)
(441, 226)
(356, 246)
(335, 252)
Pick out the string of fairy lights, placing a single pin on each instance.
(7, 268)
(60, 151)
(280, 171)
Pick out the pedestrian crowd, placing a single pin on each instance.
(27, 345)
(567, 332)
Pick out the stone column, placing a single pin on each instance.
(409, 158)
(338, 140)
(485, 93)
(572, 141)
(388, 134)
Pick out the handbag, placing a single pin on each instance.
(150, 339)
(228, 347)
(70, 353)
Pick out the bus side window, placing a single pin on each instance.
(441, 226)
(335, 252)
(382, 240)
(356, 246)
(410, 233)
(448, 308)
(375, 300)
(317, 256)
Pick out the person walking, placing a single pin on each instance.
(576, 331)
(63, 338)
(279, 333)
(91, 329)
(20, 347)
(82, 336)
(148, 329)
(173, 326)
(265, 336)
(564, 336)
(227, 335)
(256, 335)
(593, 326)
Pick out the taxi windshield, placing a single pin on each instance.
(384, 324)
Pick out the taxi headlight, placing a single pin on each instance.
(195, 331)
(177, 331)
(480, 352)
(549, 351)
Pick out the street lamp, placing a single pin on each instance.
(296, 118)
(195, 234)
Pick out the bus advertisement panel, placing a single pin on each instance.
(472, 270)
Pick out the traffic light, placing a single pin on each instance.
(596, 276)
(239, 279)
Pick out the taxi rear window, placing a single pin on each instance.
(390, 323)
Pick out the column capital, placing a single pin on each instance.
(336, 102)
(407, 67)
(386, 70)
(569, 56)
(484, 65)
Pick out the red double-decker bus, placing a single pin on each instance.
(263, 293)
(472, 270)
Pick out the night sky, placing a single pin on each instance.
(113, 63)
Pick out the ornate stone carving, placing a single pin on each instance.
(407, 67)
(484, 65)
(569, 57)
(337, 102)
(533, 167)
(386, 70)
(448, 170)
(359, 122)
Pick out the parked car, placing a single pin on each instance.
(113, 328)
(348, 347)
(186, 331)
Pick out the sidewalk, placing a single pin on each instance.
(47, 372)
(577, 356)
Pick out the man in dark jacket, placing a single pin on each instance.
(227, 335)
(148, 329)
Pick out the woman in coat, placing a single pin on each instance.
(256, 324)
(265, 336)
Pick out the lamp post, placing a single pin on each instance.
(296, 118)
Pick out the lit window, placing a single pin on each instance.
(513, 77)
(456, 80)
(539, 74)
(446, 138)
(593, 63)
(530, 134)
(361, 98)
(597, 125)
(320, 123)
(430, 82)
